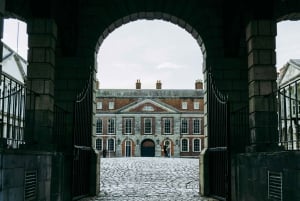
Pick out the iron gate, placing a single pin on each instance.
(82, 141)
(218, 142)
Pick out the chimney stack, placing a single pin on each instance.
(158, 84)
(97, 84)
(198, 84)
(138, 84)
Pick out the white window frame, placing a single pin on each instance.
(196, 105)
(184, 105)
(100, 143)
(111, 105)
(199, 145)
(167, 123)
(148, 108)
(181, 146)
(147, 127)
(98, 123)
(109, 124)
(199, 126)
(187, 126)
(114, 145)
(99, 105)
(126, 125)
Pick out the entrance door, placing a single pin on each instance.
(148, 148)
(128, 148)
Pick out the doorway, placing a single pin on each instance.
(148, 148)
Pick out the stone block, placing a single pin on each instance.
(41, 71)
(251, 30)
(41, 87)
(261, 43)
(260, 72)
(42, 26)
(13, 178)
(267, 27)
(42, 41)
(267, 57)
(41, 55)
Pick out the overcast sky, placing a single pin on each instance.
(155, 50)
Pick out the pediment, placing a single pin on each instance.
(290, 74)
(149, 106)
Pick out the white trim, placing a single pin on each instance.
(199, 144)
(145, 126)
(108, 143)
(101, 144)
(182, 146)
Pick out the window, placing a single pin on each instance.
(295, 106)
(99, 144)
(111, 145)
(99, 106)
(184, 126)
(184, 105)
(148, 108)
(99, 126)
(111, 105)
(184, 145)
(196, 105)
(128, 126)
(196, 128)
(111, 126)
(196, 145)
(167, 125)
(148, 126)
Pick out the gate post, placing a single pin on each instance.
(260, 36)
(40, 73)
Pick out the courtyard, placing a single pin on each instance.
(152, 178)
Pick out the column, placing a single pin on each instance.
(260, 36)
(40, 72)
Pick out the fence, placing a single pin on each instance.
(17, 108)
(14, 98)
(288, 103)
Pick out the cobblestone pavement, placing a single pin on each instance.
(149, 179)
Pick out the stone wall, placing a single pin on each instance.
(252, 175)
(15, 165)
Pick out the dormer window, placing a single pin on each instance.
(148, 108)
(111, 105)
(184, 105)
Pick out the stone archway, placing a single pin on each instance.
(148, 148)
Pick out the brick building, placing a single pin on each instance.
(144, 122)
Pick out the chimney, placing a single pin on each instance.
(198, 84)
(97, 84)
(138, 84)
(158, 84)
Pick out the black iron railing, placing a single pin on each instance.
(218, 142)
(59, 127)
(288, 105)
(14, 100)
(240, 132)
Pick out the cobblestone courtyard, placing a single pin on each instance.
(149, 179)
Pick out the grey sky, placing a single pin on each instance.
(156, 50)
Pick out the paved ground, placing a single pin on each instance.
(149, 179)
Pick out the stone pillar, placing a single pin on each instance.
(260, 36)
(2, 6)
(40, 73)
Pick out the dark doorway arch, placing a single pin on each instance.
(148, 148)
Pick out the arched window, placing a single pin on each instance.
(111, 145)
(99, 144)
(184, 145)
(196, 145)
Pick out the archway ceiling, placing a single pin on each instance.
(224, 18)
